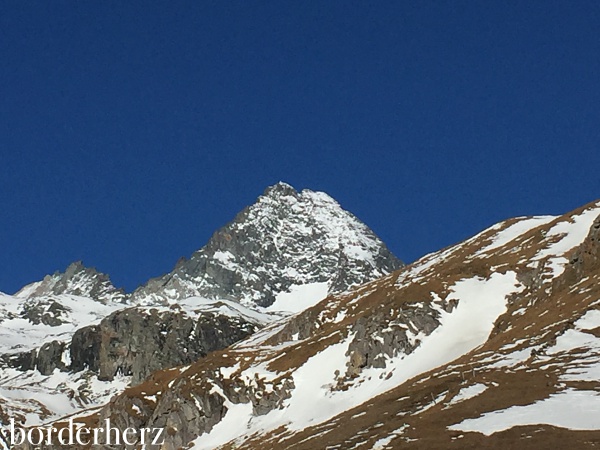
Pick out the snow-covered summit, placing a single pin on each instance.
(285, 239)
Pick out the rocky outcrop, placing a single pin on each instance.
(85, 349)
(136, 342)
(383, 335)
(21, 360)
(45, 359)
(50, 357)
(190, 409)
(47, 312)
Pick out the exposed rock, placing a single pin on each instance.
(45, 359)
(382, 335)
(85, 349)
(22, 361)
(49, 357)
(43, 311)
(138, 341)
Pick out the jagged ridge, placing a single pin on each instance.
(75, 280)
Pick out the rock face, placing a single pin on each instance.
(381, 336)
(45, 359)
(286, 238)
(85, 348)
(135, 342)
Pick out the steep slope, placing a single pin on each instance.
(284, 240)
(439, 354)
(75, 340)
(532, 384)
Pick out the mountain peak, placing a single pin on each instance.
(488, 341)
(77, 279)
(78, 267)
(280, 189)
(284, 239)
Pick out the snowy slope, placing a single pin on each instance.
(55, 307)
(315, 398)
(75, 280)
(37, 398)
(26, 324)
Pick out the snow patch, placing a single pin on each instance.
(468, 392)
(572, 409)
(567, 235)
(515, 230)
(299, 297)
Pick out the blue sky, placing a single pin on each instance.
(130, 131)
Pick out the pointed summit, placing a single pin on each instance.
(285, 239)
(279, 189)
(77, 279)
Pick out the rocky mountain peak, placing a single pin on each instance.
(286, 238)
(77, 279)
(279, 189)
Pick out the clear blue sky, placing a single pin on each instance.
(130, 131)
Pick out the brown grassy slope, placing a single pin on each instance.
(409, 418)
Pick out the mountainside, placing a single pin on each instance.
(75, 340)
(53, 309)
(490, 343)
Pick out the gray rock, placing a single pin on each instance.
(381, 335)
(44, 311)
(49, 357)
(22, 361)
(85, 349)
(138, 341)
